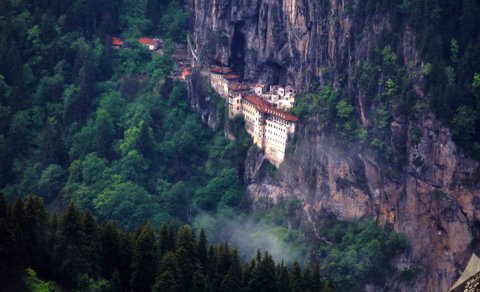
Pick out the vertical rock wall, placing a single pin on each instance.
(305, 43)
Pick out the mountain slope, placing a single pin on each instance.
(401, 65)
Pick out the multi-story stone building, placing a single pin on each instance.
(221, 78)
(269, 127)
(265, 112)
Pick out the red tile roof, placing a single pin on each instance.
(221, 70)
(231, 76)
(237, 86)
(185, 72)
(147, 41)
(116, 41)
(265, 107)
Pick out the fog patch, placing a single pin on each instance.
(247, 235)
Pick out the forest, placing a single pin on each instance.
(86, 127)
(106, 128)
(43, 252)
(447, 39)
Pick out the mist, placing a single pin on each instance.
(248, 235)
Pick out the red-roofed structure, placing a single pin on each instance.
(237, 86)
(185, 73)
(221, 70)
(265, 107)
(117, 42)
(232, 76)
(151, 44)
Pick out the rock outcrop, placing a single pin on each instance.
(432, 200)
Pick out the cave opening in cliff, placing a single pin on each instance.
(237, 49)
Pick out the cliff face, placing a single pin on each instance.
(303, 42)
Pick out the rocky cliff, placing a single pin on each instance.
(432, 199)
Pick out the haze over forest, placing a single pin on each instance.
(203, 145)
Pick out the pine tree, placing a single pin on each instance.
(166, 279)
(186, 257)
(110, 247)
(296, 283)
(47, 27)
(283, 281)
(318, 283)
(166, 283)
(247, 274)
(93, 253)
(263, 276)
(230, 282)
(144, 260)
(3, 207)
(307, 281)
(222, 264)
(36, 234)
(18, 214)
(202, 249)
(200, 280)
(125, 257)
(166, 240)
(12, 256)
(115, 282)
(69, 251)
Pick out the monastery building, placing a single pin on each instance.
(266, 114)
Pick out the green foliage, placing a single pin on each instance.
(322, 103)
(463, 124)
(52, 181)
(109, 120)
(92, 257)
(173, 23)
(415, 134)
(360, 253)
(34, 284)
(344, 109)
(427, 69)
(454, 51)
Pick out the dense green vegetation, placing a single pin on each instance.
(106, 128)
(40, 252)
(360, 252)
(447, 37)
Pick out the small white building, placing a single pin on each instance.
(150, 44)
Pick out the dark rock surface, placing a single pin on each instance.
(304, 43)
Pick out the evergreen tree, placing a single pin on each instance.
(296, 283)
(12, 256)
(168, 272)
(125, 255)
(3, 207)
(263, 276)
(166, 239)
(70, 259)
(186, 257)
(93, 252)
(247, 274)
(231, 282)
(222, 264)
(144, 260)
(318, 283)
(110, 247)
(307, 281)
(37, 234)
(200, 280)
(202, 249)
(283, 281)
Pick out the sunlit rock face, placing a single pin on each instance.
(306, 43)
